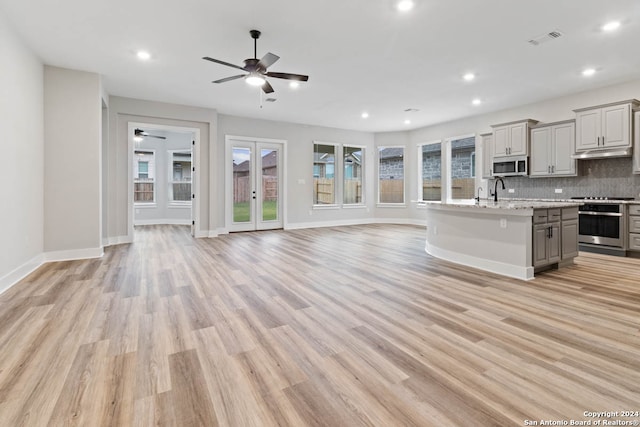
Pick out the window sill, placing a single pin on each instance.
(391, 205)
(174, 205)
(325, 207)
(145, 205)
(354, 206)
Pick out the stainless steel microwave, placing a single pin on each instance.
(510, 166)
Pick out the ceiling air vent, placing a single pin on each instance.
(411, 110)
(270, 100)
(543, 38)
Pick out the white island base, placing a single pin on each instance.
(496, 237)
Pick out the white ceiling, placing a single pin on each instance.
(361, 55)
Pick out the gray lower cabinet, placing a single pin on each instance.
(555, 235)
(634, 227)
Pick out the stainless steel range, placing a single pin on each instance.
(602, 223)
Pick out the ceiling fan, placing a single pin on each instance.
(139, 133)
(257, 68)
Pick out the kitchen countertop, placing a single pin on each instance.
(504, 204)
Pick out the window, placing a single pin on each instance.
(430, 171)
(324, 159)
(180, 177)
(144, 177)
(352, 158)
(391, 174)
(463, 167)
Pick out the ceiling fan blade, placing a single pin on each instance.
(288, 76)
(228, 79)
(266, 87)
(155, 136)
(268, 60)
(206, 58)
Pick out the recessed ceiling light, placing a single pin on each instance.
(364, 115)
(476, 101)
(469, 76)
(405, 5)
(588, 72)
(611, 26)
(294, 85)
(407, 122)
(143, 55)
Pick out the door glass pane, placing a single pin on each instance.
(462, 170)
(324, 159)
(431, 171)
(391, 174)
(241, 184)
(352, 158)
(269, 184)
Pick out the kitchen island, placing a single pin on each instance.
(514, 238)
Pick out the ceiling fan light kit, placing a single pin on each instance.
(257, 68)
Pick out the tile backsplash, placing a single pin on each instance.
(596, 177)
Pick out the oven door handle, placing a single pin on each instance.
(599, 213)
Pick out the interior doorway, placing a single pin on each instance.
(254, 184)
(162, 184)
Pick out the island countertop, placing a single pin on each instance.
(526, 206)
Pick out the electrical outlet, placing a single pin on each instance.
(558, 190)
(512, 190)
(435, 230)
(301, 181)
(503, 222)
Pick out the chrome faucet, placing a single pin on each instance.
(495, 190)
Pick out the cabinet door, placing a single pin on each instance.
(554, 243)
(616, 128)
(540, 160)
(500, 141)
(487, 156)
(569, 238)
(518, 139)
(540, 248)
(564, 143)
(636, 147)
(588, 129)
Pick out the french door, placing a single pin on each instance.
(254, 185)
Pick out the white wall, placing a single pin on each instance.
(299, 168)
(72, 181)
(21, 145)
(547, 111)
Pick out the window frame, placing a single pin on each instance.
(170, 180)
(337, 176)
(362, 149)
(379, 150)
(419, 169)
(153, 166)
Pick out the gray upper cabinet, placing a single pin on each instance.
(636, 143)
(552, 147)
(511, 139)
(602, 127)
(487, 155)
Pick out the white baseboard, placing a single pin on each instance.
(73, 254)
(515, 271)
(162, 222)
(339, 223)
(13, 277)
(115, 240)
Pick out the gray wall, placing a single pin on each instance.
(22, 148)
(72, 167)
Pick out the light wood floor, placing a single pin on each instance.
(342, 326)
